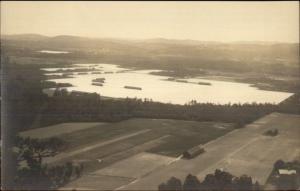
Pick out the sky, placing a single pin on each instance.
(205, 21)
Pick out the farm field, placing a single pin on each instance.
(139, 154)
(57, 130)
(145, 162)
(242, 151)
(191, 131)
(256, 158)
(118, 153)
(94, 182)
(121, 173)
(67, 155)
(113, 142)
(183, 137)
(156, 136)
(81, 135)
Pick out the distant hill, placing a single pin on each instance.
(25, 37)
(166, 53)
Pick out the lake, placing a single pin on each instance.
(159, 88)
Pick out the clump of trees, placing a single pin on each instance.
(32, 174)
(220, 180)
(285, 181)
(65, 106)
(291, 104)
(38, 149)
(22, 94)
(271, 132)
(50, 84)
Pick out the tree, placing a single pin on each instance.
(287, 182)
(68, 171)
(77, 171)
(279, 164)
(32, 173)
(174, 184)
(209, 182)
(244, 183)
(191, 183)
(38, 149)
(223, 179)
(220, 180)
(256, 186)
(162, 187)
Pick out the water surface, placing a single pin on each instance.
(158, 88)
(53, 52)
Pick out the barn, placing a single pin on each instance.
(193, 152)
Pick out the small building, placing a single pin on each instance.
(193, 152)
(286, 172)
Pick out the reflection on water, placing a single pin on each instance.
(158, 88)
(53, 52)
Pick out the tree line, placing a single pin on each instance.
(285, 181)
(65, 106)
(219, 180)
(30, 173)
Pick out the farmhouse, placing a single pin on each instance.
(193, 152)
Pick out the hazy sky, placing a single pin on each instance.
(208, 21)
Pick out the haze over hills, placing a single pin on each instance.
(161, 53)
(33, 36)
(69, 40)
